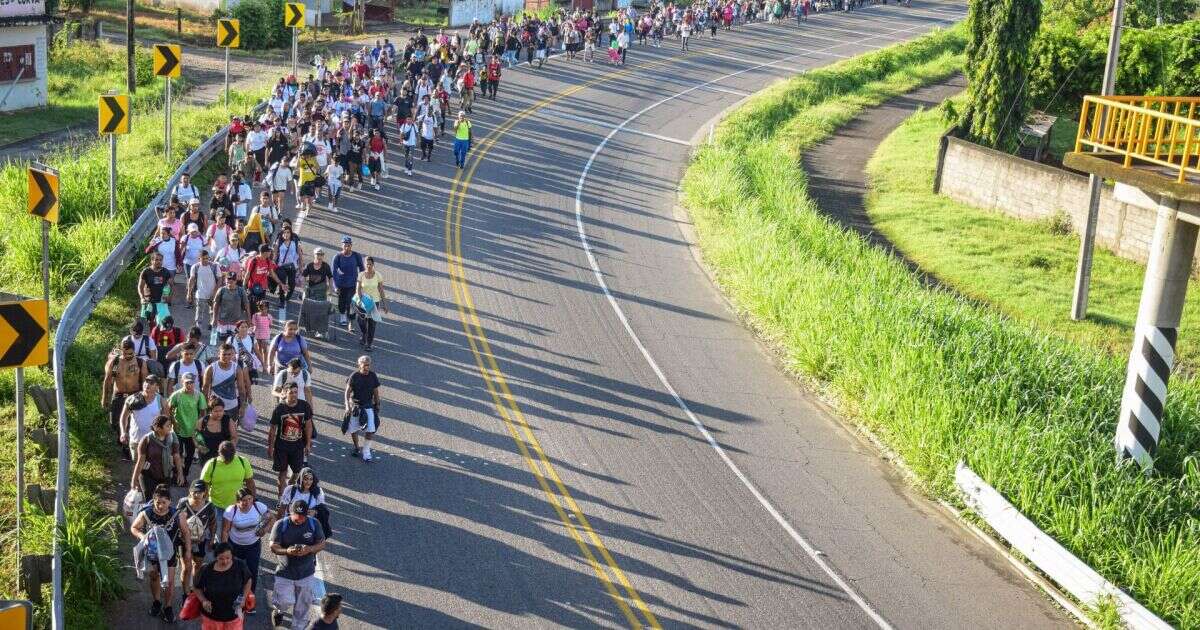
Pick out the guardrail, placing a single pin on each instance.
(79, 308)
(1159, 130)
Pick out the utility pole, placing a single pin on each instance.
(1087, 241)
(130, 65)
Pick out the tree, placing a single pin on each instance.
(998, 42)
(1138, 13)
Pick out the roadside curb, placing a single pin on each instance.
(684, 222)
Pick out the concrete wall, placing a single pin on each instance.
(27, 92)
(1028, 190)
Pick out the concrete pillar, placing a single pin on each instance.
(1163, 292)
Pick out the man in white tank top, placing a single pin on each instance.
(139, 413)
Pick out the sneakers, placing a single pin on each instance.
(156, 608)
(168, 615)
(276, 617)
(357, 453)
(366, 454)
(344, 320)
(376, 186)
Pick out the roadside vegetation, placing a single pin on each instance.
(79, 72)
(80, 241)
(937, 377)
(1024, 269)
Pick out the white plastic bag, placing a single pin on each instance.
(132, 503)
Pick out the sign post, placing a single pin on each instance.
(229, 35)
(167, 58)
(114, 119)
(43, 203)
(293, 18)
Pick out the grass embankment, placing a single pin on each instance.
(1024, 269)
(78, 74)
(80, 241)
(934, 376)
(420, 13)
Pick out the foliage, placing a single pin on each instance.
(997, 69)
(1066, 64)
(261, 22)
(1138, 13)
(936, 377)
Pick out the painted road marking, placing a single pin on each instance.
(812, 552)
(505, 403)
(717, 88)
(601, 123)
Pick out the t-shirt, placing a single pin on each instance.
(224, 480)
(188, 408)
(319, 624)
(151, 451)
(362, 389)
(346, 269)
(245, 523)
(260, 271)
(285, 534)
(289, 421)
(223, 588)
(316, 280)
(206, 280)
(228, 305)
(301, 380)
(156, 281)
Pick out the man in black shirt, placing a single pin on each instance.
(362, 403)
(152, 285)
(331, 609)
(289, 440)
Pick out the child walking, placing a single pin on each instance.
(262, 330)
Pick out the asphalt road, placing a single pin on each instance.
(541, 462)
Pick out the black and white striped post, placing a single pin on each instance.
(1168, 269)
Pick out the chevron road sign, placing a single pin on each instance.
(114, 114)
(293, 15)
(166, 60)
(23, 338)
(229, 33)
(43, 194)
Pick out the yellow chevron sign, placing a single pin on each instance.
(114, 113)
(167, 59)
(229, 33)
(293, 15)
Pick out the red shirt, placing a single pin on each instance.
(377, 144)
(493, 70)
(361, 70)
(468, 80)
(259, 271)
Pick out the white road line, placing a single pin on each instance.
(601, 123)
(795, 535)
(717, 88)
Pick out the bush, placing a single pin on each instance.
(262, 26)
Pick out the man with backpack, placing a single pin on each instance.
(123, 377)
(229, 306)
(187, 405)
(297, 540)
(346, 266)
(202, 285)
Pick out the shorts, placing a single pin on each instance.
(198, 550)
(306, 190)
(358, 426)
(374, 164)
(286, 458)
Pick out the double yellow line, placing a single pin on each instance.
(611, 576)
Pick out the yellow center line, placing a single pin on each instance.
(506, 405)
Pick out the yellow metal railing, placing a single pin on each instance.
(1160, 130)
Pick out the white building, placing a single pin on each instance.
(23, 54)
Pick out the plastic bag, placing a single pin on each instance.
(249, 418)
(191, 608)
(133, 502)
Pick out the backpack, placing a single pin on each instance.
(196, 526)
(173, 371)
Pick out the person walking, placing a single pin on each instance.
(137, 417)
(201, 517)
(306, 487)
(246, 522)
(346, 266)
(362, 405)
(226, 473)
(492, 72)
(159, 513)
(157, 461)
(370, 299)
(408, 139)
(186, 406)
(202, 285)
(289, 438)
(462, 139)
(219, 585)
(297, 540)
(123, 377)
(229, 381)
(331, 609)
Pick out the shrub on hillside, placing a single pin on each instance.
(261, 22)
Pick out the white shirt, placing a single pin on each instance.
(192, 244)
(186, 193)
(206, 280)
(409, 132)
(167, 249)
(277, 104)
(218, 237)
(256, 140)
(280, 180)
(302, 380)
(244, 523)
(428, 126)
(333, 174)
(140, 420)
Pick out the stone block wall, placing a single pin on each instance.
(1029, 190)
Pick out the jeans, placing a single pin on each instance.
(188, 445)
(345, 297)
(286, 273)
(297, 595)
(249, 554)
(460, 151)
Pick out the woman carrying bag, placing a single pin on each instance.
(306, 487)
(222, 591)
(246, 522)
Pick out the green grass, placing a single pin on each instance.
(1024, 269)
(937, 377)
(420, 13)
(79, 242)
(77, 75)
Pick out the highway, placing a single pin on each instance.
(577, 430)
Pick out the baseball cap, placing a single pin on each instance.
(190, 377)
(199, 485)
(299, 506)
(346, 240)
(320, 251)
(192, 227)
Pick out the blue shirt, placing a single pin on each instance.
(346, 268)
(378, 108)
